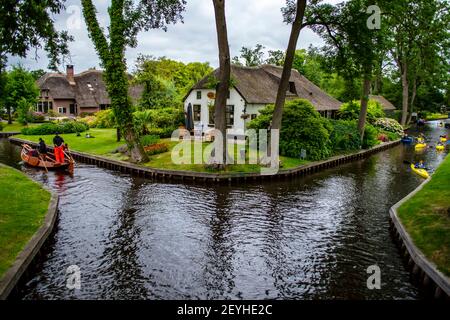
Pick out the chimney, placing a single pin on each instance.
(70, 74)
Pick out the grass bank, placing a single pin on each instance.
(22, 212)
(426, 217)
(104, 142)
(16, 127)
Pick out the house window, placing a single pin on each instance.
(228, 94)
(104, 106)
(230, 115)
(199, 95)
(292, 87)
(253, 116)
(43, 106)
(72, 108)
(211, 116)
(197, 112)
(62, 110)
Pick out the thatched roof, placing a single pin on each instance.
(385, 103)
(89, 89)
(259, 85)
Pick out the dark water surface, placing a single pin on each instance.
(308, 238)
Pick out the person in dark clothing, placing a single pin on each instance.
(58, 143)
(42, 147)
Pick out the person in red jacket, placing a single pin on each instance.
(58, 143)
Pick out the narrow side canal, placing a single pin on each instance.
(309, 238)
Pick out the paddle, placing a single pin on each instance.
(43, 162)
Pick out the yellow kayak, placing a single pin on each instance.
(420, 146)
(421, 172)
(443, 139)
(440, 148)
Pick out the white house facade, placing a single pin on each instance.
(254, 88)
(202, 100)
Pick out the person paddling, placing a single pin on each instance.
(420, 165)
(58, 143)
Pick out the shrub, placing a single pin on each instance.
(53, 128)
(51, 113)
(104, 119)
(149, 140)
(370, 136)
(156, 148)
(391, 136)
(388, 124)
(160, 122)
(37, 117)
(350, 110)
(1, 126)
(23, 111)
(302, 128)
(89, 120)
(345, 135)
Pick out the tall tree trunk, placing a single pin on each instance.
(413, 98)
(405, 93)
(287, 67)
(364, 102)
(112, 56)
(224, 77)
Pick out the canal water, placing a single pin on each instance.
(308, 238)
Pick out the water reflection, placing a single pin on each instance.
(309, 238)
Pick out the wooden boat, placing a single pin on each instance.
(47, 163)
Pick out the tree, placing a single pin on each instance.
(37, 73)
(28, 24)
(21, 92)
(223, 84)
(354, 47)
(418, 35)
(127, 18)
(297, 22)
(276, 57)
(174, 77)
(251, 57)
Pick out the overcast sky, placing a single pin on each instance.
(249, 22)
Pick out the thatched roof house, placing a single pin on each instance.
(385, 103)
(71, 94)
(254, 88)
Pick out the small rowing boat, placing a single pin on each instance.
(32, 158)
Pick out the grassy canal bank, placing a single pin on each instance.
(426, 217)
(22, 213)
(104, 143)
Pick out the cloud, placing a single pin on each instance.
(249, 23)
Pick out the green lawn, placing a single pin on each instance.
(22, 210)
(426, 217)
(16, 127)
(104, 141)
(164, 160)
